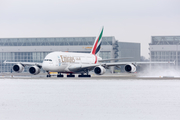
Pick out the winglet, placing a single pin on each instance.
(174, 62)
(97, 43)
(4, 62)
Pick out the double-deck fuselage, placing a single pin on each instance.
(64, 62)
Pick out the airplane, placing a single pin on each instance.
(76, 63)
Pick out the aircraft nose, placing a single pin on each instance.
(44, 66)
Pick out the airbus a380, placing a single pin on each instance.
(75, 63)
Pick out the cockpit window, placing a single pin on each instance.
(47, 60)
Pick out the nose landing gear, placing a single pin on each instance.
(48, 74)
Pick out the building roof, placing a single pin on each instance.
(165, 40)
(54, 41)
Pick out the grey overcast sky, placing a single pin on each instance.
(127, 20)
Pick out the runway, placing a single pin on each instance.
(102, 77)
(89, 99)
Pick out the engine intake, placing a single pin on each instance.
(130, 68)
(34, 70)
(18, 68)
(99, 70)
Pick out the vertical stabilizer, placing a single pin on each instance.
(97, 43)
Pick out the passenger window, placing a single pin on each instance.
(47, 60)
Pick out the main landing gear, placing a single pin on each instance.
(71, 75)
(60, 75)
(87, 74)
(82, 75)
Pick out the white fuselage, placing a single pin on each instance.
(61, 61)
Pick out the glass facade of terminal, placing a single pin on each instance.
(165, 40)
(68, 41)
(165, 48)
(20, 57)
(164, 55)
(129, 50)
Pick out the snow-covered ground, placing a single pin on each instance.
(68, 99)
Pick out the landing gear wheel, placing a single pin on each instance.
(60, 75)
(84, 75)
(48, 75)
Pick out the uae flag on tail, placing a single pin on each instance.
(97, 43)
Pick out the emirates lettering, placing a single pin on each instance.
(67, 59)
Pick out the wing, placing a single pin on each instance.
(24, 63)
(168, 62)
(80, 67)
(135, 63)
(114, 59)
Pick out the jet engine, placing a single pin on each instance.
(18, 68)
(99, 70)
(130, 68)
(34, 70)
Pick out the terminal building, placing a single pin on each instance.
(35, 49)
(165, 48)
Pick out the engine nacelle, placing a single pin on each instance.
(99, 70)
(34, 70)
(18, 68)
(130, 68)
